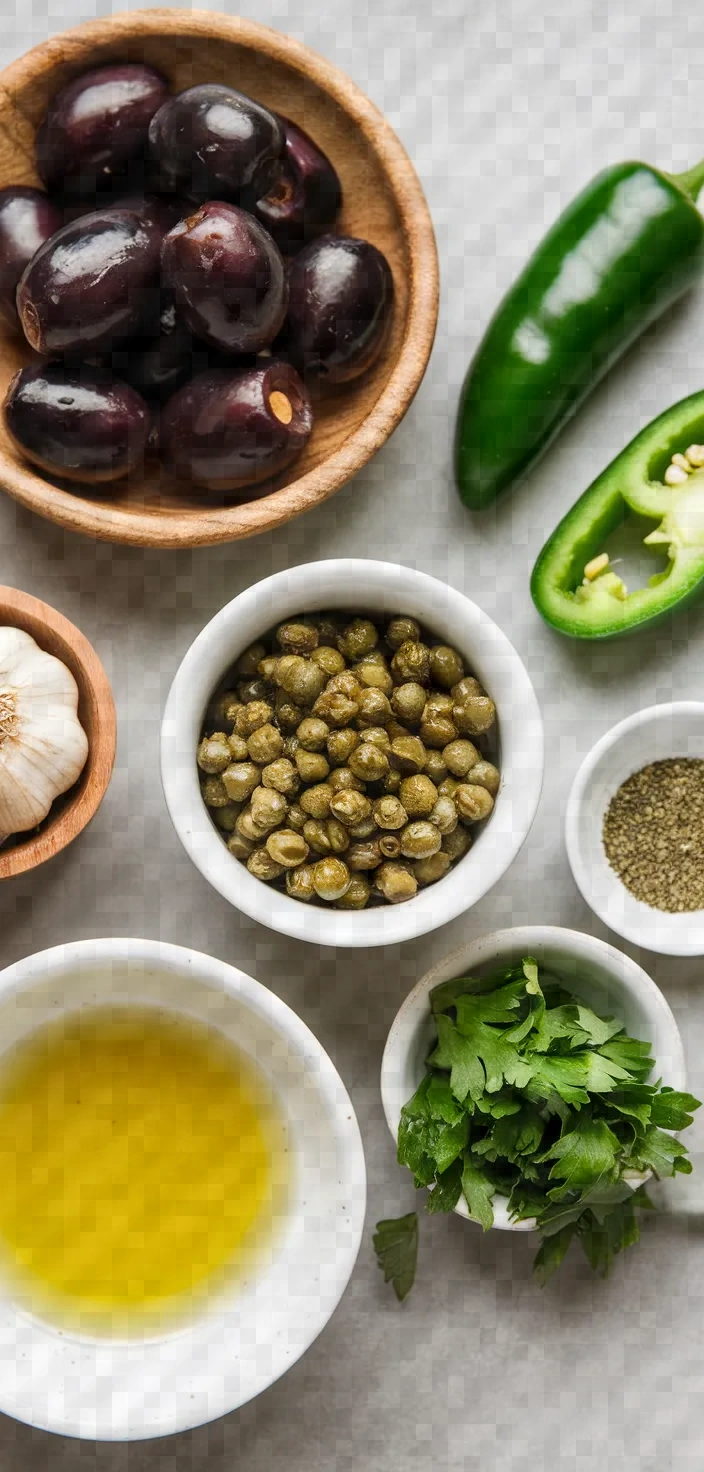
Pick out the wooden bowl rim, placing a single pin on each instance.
(102, 739)
(208, 526)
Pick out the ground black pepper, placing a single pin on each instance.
(653, 834)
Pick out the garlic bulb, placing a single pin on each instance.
(43, 747)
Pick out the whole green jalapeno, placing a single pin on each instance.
(623, 251)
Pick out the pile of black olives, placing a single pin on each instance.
(180, 285)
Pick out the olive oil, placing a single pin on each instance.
(143, 1161)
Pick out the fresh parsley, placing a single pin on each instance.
(530, 1094)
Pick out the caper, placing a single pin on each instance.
(418, 795)
(240, 780)
(389, 845)
(331, 879)
(485, 774)
(459, 756)
(444, 815)
(253, 690)
(287, 848)
(247, 828)
(397, 882)
(374, 708)
(328, 659)
(350, 807)
(317, 837)
(251, 717)
(374, 677)
(300, 882)
(249, 661)
(265, 744)
(269, 807)
(428, 871)
(239, 751)
(364, 855)
(214, 754)
(366, 829)
(466, 688)
(288, 714)
(240, 847)
(411, 662)
(356, 895)
(296, 817)
(226, 818)
(338, 835)
(457, 843)
(374, 656)
(435, 767)
(340, 744)
(390, 813)
(473, 803)
(358, 638)
(446, 665)
(282, 775)
(262, 866)
(303, 680)
(408, 702)
(344, 780)
(475, 715)
(267, 667)
(379, 736)
(312, 733)
(368, 762)
(437, 703)
(402, 630)
(407, 754)
(316, 800)
(439, 731)
(392, 781)
(448, 786)
(420, 840)
(297, 637)
(346, 683)
(312, 765)
(335, 708)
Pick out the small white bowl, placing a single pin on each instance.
(651, 735)
(248, 1335)
(381, 588)
(609, 982)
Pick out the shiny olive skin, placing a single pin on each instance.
(227, 277)
(96, 126)
(225, 431)
(77, 424)
(307, 194)
(213, 141)
(92, 283)
(340, 299)
(27, 219)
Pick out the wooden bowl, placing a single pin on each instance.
(69, 814)
(383, 202)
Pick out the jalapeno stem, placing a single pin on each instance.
(691, 181)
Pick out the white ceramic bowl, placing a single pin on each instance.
(381, 588)
(597, 973)
(115, 1390)
(651, 735)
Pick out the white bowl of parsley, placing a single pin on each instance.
(534, 1081)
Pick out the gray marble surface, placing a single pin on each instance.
(507, 110)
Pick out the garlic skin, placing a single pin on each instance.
(43, 747)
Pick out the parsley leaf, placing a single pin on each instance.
(447, 1189)
(673, 1110)
(584, 1156)
(396, 1248)
(478, 1191)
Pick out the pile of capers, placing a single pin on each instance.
(346, 765)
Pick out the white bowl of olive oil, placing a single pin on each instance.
(183, 1189)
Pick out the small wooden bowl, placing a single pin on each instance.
(383, 202)
(69, 814)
